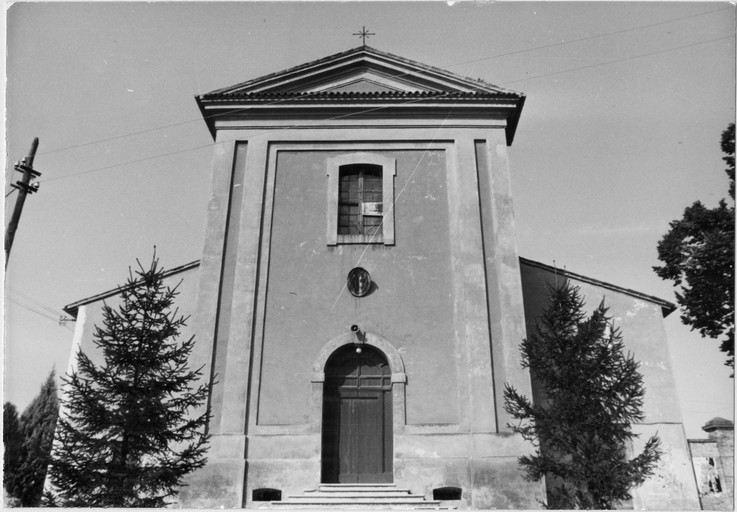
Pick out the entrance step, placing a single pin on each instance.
(356, 497)
(356, 487)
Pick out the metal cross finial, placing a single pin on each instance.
(364, 34)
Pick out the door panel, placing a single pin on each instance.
(357, 424)
(370, 439)
(361, 437)
(330, 438)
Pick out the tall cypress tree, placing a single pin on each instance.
(593, 393)
(128, 434)
(13, 444)
(37, 425)
(38, 422)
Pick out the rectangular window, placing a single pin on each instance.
(360, 202)
(361, 199)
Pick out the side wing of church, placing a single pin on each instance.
(360, 300)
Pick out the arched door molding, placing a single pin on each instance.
(398, 377)
(390, 352)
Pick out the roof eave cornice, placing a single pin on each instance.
(492, 106)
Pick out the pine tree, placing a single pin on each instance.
(13, 444)
(128, 434)
(37, 425)
(593, 393)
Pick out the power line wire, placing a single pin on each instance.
(290, 127)
(24, 306)
(147, 130)
(488, 57)
(97, 169)
(36, 302)
(588, 38)
(621, 60)
(172, 125)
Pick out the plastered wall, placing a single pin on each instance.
(308, 304)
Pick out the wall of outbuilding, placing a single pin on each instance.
(90, 315)
(641, 323)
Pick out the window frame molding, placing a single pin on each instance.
(388, 171)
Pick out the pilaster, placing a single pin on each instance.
(220, 482)
(237, 362)
(476, 387)
(211, 262)
(506, 307)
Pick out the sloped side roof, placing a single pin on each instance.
(667, 307)
(73, 308)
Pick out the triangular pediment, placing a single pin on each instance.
(362, 83)
(368, 79)
(361, 70)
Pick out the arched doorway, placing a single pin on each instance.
(357, 417)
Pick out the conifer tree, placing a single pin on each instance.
(593, 392)
(12, 443)
(37, 425)
(131, 429)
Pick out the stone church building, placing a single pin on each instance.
(361, 301)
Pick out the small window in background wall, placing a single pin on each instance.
(361, 199)
(707, 476)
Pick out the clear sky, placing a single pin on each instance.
(625, 106)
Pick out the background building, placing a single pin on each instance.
(713, 462)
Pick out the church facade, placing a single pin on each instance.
(360, 300)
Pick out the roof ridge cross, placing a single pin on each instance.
(364, 34)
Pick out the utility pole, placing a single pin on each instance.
(24, 188)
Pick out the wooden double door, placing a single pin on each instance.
(357, 418)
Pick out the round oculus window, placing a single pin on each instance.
(359, 282)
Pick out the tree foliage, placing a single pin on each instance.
(728, 150)
(12, 442)
(593, 393)
(698, 256)
(133, 425)
(37, 423)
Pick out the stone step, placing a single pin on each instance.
(358, 498)
(353, 505)
(356, 486)
(403, 493)
(357, 489)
